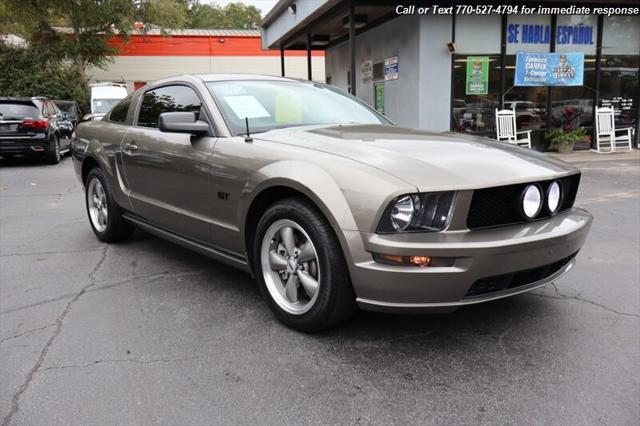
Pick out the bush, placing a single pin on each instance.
(563, 140)
(33, 71)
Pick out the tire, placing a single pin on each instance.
(53, 154)
(291, 295)
(105, 216)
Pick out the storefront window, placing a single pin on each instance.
(475, 113)
(477, 44)
(529, 103)
(478, 34)
(528, 33)
(620, 67)
(572, 106)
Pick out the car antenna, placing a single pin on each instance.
(248, 137)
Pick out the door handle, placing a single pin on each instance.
(130, 146)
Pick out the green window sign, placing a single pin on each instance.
(380, 97)
(477, 75)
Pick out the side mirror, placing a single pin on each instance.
(182, 122)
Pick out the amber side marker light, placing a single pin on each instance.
(420, 261)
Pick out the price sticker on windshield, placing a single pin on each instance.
(246, 107)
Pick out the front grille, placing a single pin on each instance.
(516, 279)
(501, 205)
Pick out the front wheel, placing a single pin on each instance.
(105, 216)
(300, 267)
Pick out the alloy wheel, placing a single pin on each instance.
(290, 266)
(97, 203)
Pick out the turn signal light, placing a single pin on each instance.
(420, 261)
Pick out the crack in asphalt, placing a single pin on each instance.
(123, 360)
(24, 333)
(42, 253)
(150, 277)
(562, 296)
(15, 401)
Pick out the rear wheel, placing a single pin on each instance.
(53, 154)
(300, 267)
(105, 216)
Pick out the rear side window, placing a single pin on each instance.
(48, 109)
(18, 110)
(167, 99)
(119, 112)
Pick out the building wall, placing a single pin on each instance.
(151, 57)
(150, 68)
(434, 110)
(397, 37)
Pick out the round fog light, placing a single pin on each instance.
(553, 196)
(531, 201)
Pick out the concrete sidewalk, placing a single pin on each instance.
(582, 156)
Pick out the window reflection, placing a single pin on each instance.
(167, 99)
(475, 113)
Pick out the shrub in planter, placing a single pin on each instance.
(563, 140)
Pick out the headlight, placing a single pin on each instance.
(417, 212)
(531, 201)
(554, 194)
(402, 213)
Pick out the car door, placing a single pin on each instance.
(64, 125)
(168, 173)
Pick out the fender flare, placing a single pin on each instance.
(310, 180)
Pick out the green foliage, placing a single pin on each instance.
(166, 14)
(90, 23)
(232, 16)
(563, 140)
(36, 72)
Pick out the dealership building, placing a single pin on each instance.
(416, 66)
(150, 55)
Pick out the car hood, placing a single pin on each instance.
(427, 160)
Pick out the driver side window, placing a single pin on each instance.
(167, 99)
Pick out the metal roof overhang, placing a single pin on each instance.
(286, 31)
(325, 20)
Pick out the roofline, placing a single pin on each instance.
(152, 31)
(275, 12)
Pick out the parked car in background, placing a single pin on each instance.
(33, 127)
(70, 110)
(327, 203)
(105, 96)
(529, 115)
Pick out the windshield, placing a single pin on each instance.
(277, 104)
(103, 106)
(66, 107)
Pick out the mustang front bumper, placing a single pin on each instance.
(489, 264)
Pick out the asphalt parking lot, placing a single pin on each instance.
(146, 332)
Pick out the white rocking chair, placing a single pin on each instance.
(506, 129)
(608, 138)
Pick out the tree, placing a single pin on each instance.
(35, 71)
(232, 16)
(89, 25)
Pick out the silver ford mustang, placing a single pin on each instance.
(324, 201)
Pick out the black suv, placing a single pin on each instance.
(33, 127)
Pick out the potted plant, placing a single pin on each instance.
(563, 140)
